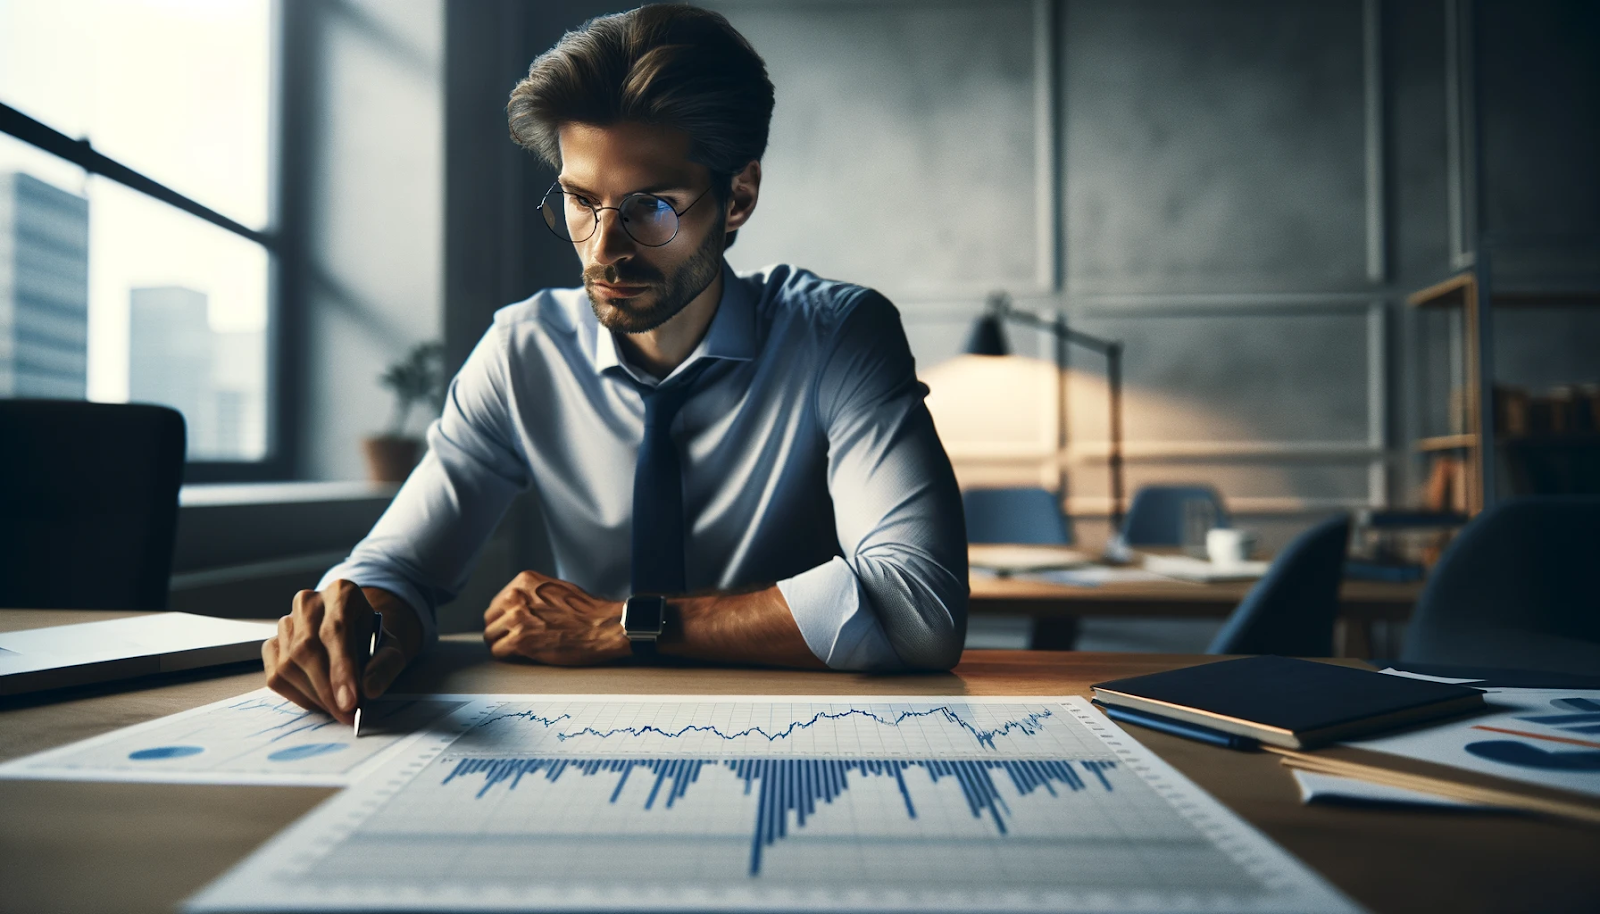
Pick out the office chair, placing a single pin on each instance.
(1023, 515)
(1291, 610)
(88, 503)
(1158, 514)
(1516, 589)
(1015, 516)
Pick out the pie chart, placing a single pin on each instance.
(309, 750)
(1522, 755)
(164, 752)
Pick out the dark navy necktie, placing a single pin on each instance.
(659, 527)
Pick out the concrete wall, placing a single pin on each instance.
(1244, 192)
(365, 200)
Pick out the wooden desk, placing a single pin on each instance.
(1361, 603)
(127, 847)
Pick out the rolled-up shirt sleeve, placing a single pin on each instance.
(897, 598)
(424, 546)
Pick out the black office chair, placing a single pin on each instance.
(1023, 515)
(88, 503)
(1291, 610)
(1020, 515)
(1516, 589)
(1159, 514)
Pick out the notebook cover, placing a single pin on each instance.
(1283, 693)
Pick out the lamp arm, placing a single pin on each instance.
(1087, 341)
(1112, 350)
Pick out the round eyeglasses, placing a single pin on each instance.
(647, 218)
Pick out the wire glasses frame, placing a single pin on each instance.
(648, 219)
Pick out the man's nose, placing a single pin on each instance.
(610, 243)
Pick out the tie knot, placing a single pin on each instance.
(662, 402)
(661, 405)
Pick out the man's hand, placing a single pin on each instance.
(551, 621)
(312, 661)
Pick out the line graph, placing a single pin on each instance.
(716, 729)
(894, 804)
(1028, 724)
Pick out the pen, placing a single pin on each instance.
(362, 658)
(1180, 728)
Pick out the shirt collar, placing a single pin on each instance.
(731, 336)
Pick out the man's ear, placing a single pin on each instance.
(742, 196)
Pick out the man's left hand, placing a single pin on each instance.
(551, 621)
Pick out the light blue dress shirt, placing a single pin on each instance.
(809, 461)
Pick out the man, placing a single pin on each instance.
(754, 448)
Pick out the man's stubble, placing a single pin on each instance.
(678, 289)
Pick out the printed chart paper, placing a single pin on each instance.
(587, 803)
(256, 738)
(1541, 736)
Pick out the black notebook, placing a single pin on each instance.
(1297, 704)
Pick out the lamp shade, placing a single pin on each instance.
(987, 337)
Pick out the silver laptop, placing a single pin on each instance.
(69, 655)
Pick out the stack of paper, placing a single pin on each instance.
(1193, 569)
(1536, 750)
(1017, 558)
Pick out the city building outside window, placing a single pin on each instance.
(126, 290)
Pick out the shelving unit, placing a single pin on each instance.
(1469, 292)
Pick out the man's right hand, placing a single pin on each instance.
(312, 661)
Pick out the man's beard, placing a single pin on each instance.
(673, 292)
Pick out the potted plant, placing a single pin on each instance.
(418, 378)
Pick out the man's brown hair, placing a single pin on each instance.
(666, 64)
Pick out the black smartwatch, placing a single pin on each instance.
(643, 619)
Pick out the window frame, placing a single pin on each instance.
(278, 463)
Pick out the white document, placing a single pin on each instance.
(677, 803)
(1095, 575)
(1541, 736)
(66, 655)
(1010, 558)
(256, 738)
(1315, 787)
(1407, 674)
(1188, 568)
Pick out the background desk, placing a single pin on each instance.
(129, 847)
(1361, 603)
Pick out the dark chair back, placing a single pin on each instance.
(1015, 516)
(1158, 514)
(1291, 610)
(88, 503)
(1518, 588)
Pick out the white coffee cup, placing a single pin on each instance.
(1228, 546)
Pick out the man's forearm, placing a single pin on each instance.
(755, 627)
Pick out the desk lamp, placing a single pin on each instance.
(988, 337)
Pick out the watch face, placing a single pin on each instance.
(644, 615)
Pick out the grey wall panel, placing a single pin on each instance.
(373, 209)
(1414, 105)
(1326, 483)
(1234, 377)
(1539, 70)
(1540, 348)
(1214, 146)
(902, 152)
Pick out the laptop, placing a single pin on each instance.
(90, 652)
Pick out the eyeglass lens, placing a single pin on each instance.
(647, 219)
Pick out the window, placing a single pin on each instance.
(136, 267)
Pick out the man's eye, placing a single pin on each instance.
(581, 200)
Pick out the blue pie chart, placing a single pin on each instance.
(1509, 752)
(165, 752)
(309, 750)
